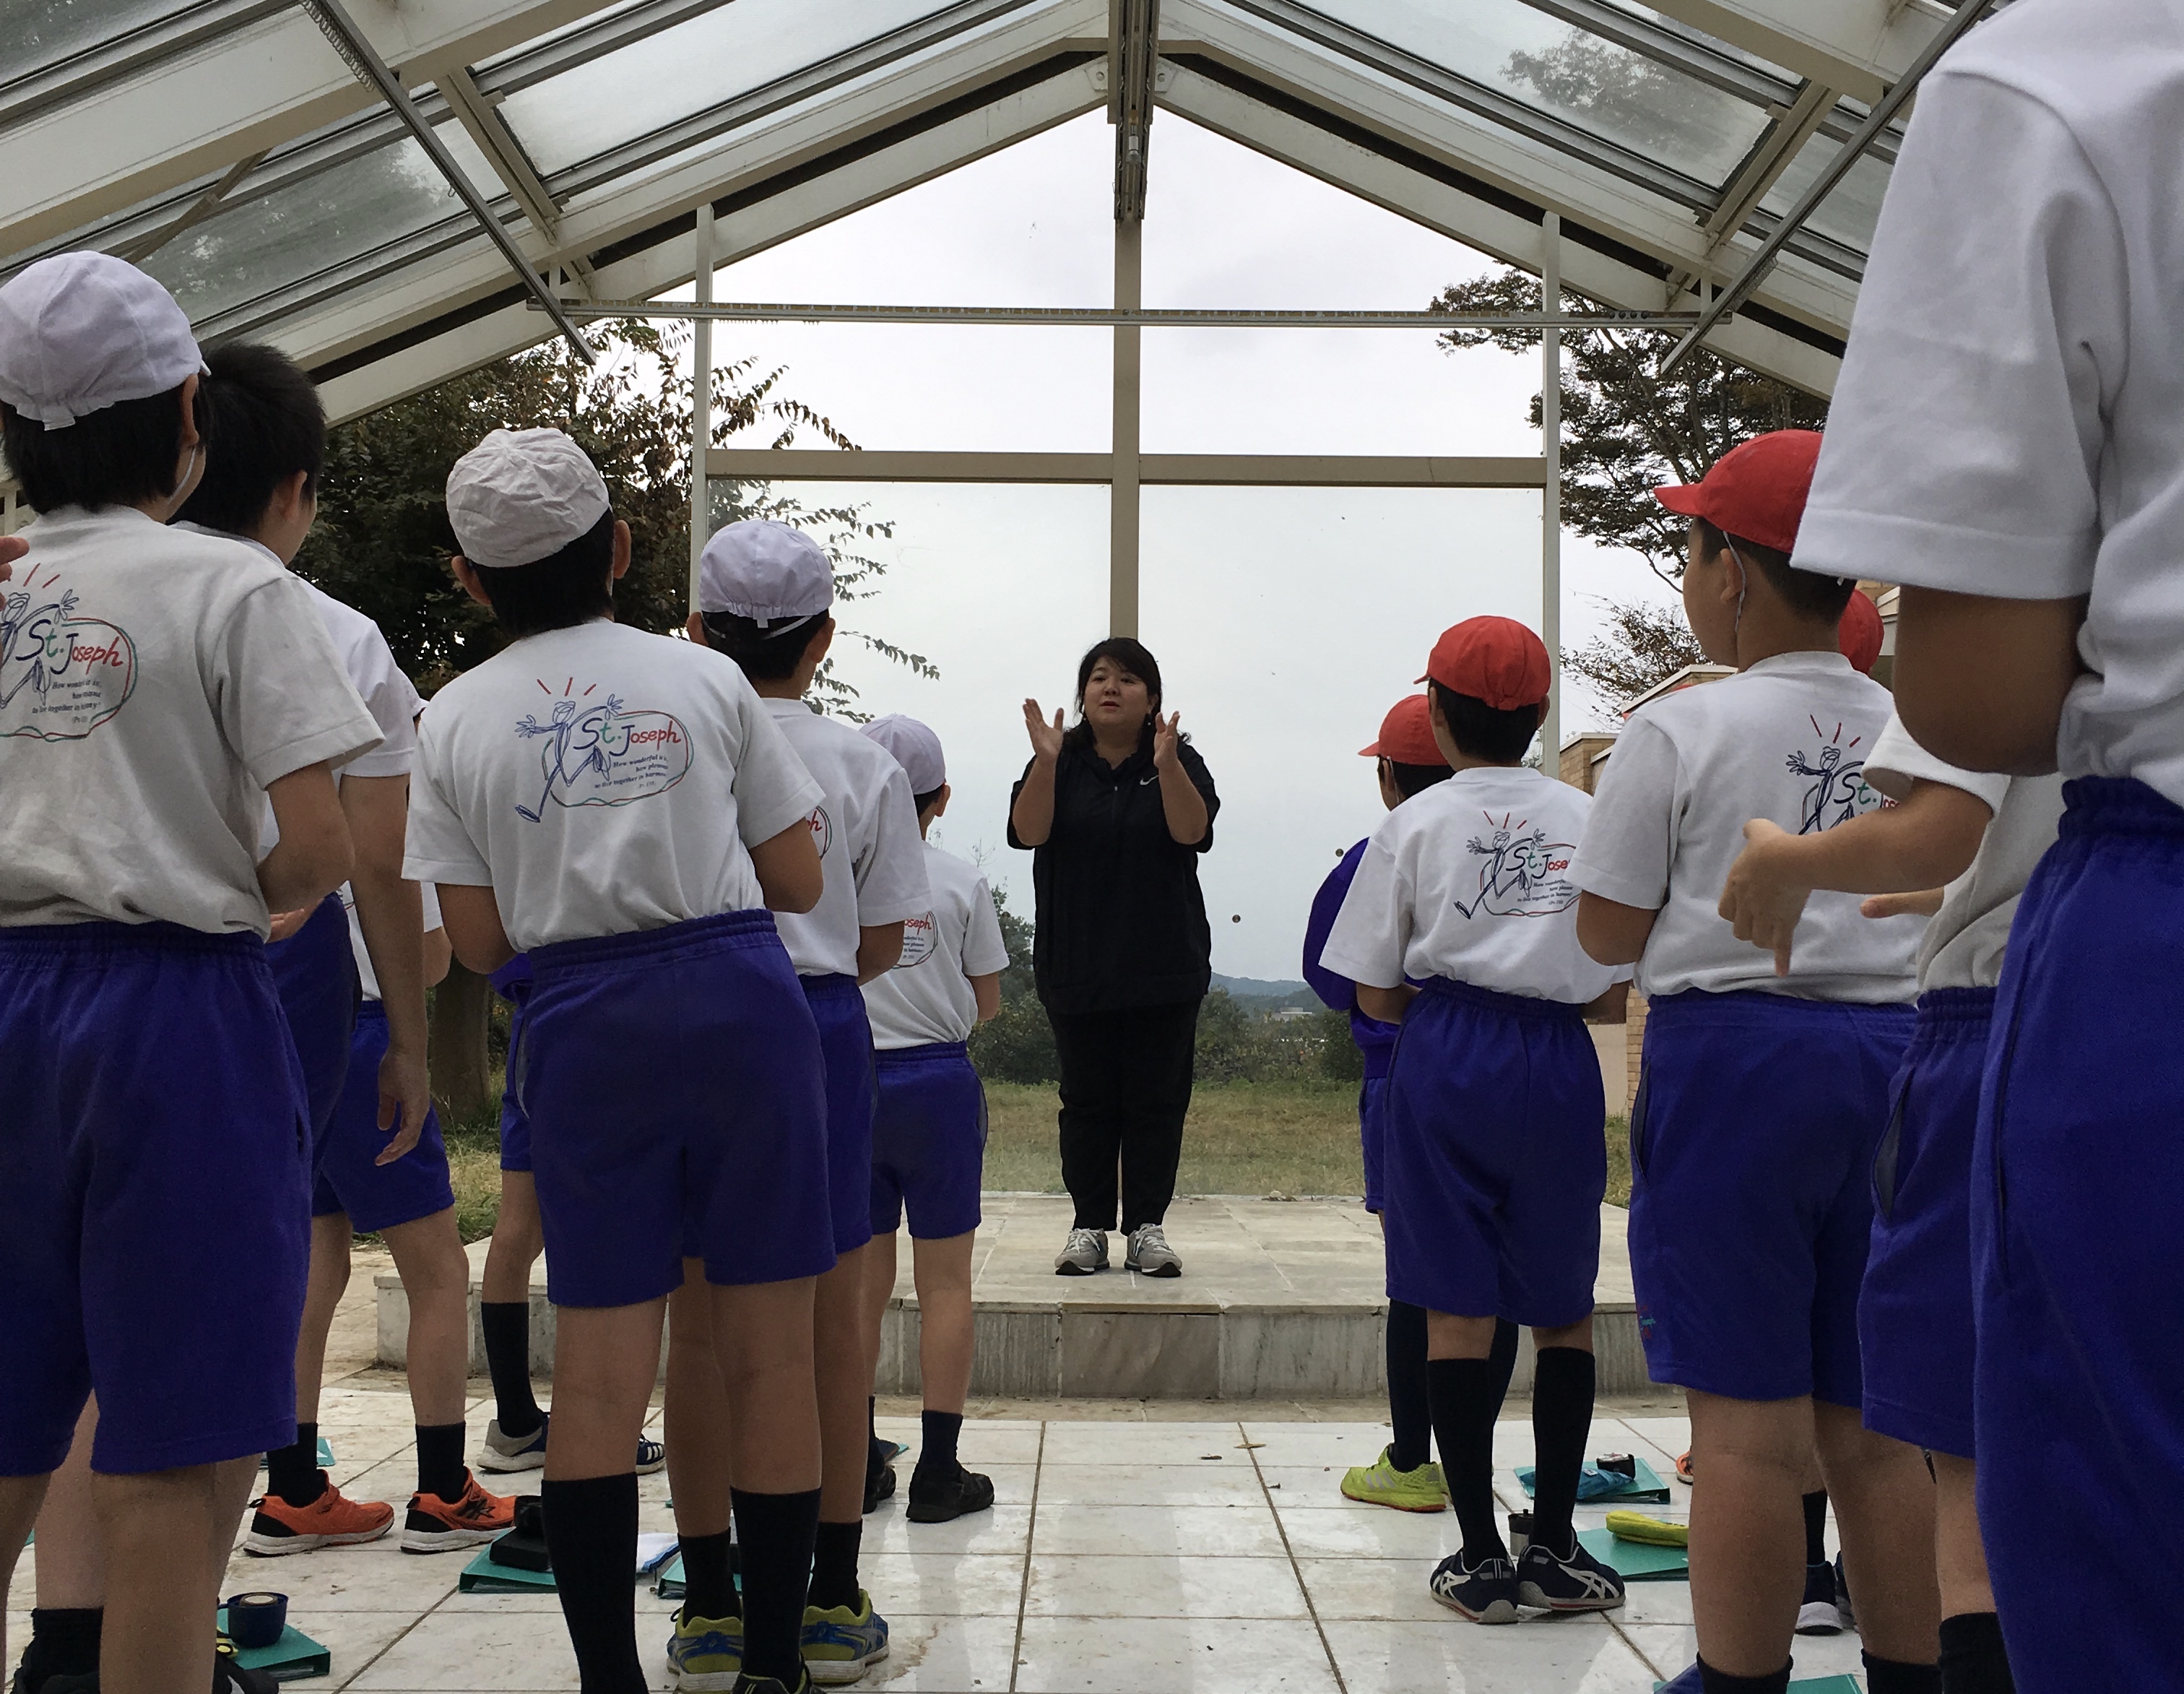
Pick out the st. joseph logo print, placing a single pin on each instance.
(603, 753)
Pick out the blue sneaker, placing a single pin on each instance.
(840, 1644)
(1684, 1682)
(1485, 1593)
(1575, 1581)
(704, 1655)
(651, 1455)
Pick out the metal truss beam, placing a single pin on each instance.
(1239, 317)
(1133, 56)
(1861, 46)
(1155, 470)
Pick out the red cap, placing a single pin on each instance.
(1407, 735)
(1493, 658)
(1859, 632)
(1756, 490)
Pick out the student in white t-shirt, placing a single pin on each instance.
(1460, 925)
(1762, 1097)
(765, 595)
(156, 689)
(929, 1131)
(621, 807)
(2008, 437)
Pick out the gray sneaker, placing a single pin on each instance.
(1085, 1252)
(1149, 1254)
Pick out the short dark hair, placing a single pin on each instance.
(116, 456)
(1809, 593)
(1415, 779)
(923, 802)
(767, 655)
(270, 425)
(1501, 735)
(559, 592)
(1128, 654)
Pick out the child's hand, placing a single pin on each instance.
(405, 1096)
(12, 548)
(1164, 736)
(1762, 899)
(287, 923)
(1045, 738)
(1922, 903)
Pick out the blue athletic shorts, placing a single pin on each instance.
(2075, 1225)
(1497, 1157)
(314, 970)
(377, 1196)
(512, 983)
(928, 1141)
(846, 1036)
(1752, 1146)
(1914, 1313)
(154, 1167)
(1372, 1138)
(672, 1081)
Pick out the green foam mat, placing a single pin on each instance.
(292, 1658)
(1646, 1485)
(486, 1575)
(1637, 1561)
(668, 1584)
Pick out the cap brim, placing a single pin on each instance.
(1682, 499)
(1371, 752)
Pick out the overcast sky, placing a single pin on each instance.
(1285, 620)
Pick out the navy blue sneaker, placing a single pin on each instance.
(1485, 1593)
(1818, 1613)
(1575, 1581)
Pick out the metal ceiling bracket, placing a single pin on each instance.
(1135, 49)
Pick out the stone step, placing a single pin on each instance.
(1279, 1300)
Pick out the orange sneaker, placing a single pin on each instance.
(331, 1520)
(438, 1525)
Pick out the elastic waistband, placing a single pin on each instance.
(1512, 1005)
(927, 1053)
(828, 983)
(1969, 1006)
(1695, 1006)
(752, 928)
(2119, 805)
(94, 941)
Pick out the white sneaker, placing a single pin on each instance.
(1085, 1252)
(1149, 1254)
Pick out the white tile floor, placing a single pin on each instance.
(1150, 1557)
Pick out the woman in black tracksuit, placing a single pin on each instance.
(1118, 810)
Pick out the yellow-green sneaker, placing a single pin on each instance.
(840, 1644)
(1380, 1483)
(704, 1655)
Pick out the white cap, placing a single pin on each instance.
(915, 748)
(521, 495)
(766, 572)
(82, 332)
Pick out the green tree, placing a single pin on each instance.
(1017, 1046)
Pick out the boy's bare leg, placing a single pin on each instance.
(428, 1255)
(20, 1497)
(330, 1236)
(519, 1237)
(71, 1563)
(605, 1361)
(763, 1339)
(843, 1381)
(1747, 1548)
(1960, 1550)
(1451, 1337)
(943, 1272)
(233, 1482)
(699, 1426)
(880, 1264)
(159, 1530)
(1884, 1503)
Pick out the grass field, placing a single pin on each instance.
(1241, 1137)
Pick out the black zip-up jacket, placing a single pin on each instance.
(1120, 919)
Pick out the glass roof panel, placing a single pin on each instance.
(698, 64)
(41, 32)
(1850, 212)
(1585, 80)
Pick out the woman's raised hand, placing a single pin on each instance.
(1045, 738)
(1166, 732)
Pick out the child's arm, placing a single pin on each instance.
(1930, 838)
(471, 916)
(879, 949)
(313, 856)
(1611, 933)
(439, 954)
(1980, 681)
(390, 911)
(1387, 1005)
(986, 990)
(789, 873)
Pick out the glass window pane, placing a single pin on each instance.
(700, 64)
(1849, 213)
(1571, 74)
(41, 32)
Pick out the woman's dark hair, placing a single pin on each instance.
(1126, 655)
(271, 424)
(921, 802)
(1500, 735)
(1415, 779)
(767, 655)
(1806, 592)
(558, 592)
(116, 456)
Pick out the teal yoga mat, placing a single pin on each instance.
(292, 1658)
(485, 1574)
(1637, 1561)
(1645, 1485)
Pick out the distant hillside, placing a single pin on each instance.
(1267, 996)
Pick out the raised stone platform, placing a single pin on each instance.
(1279, 1300)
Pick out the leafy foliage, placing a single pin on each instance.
(1017, 1045)
(1648, 644)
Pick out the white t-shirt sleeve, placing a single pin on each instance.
(985, 954)
(1964, 442)
(1628, 839)
(285, 700)
(431, 893)
(891, 881)
(438, 848)
(1372, 932)
(393, 703)
(772, 786)
(1896, 760)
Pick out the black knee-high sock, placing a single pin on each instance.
(63, 1642)
(709, 1581)
(775, 1532)
(292, 1472)
(1721, 1682)
(1974, 1660)
(1502, 1356)
(1889, 1676)
(440, 1466)
(1408, 1410)
(591, 1534)
(1561, 1424)
(936, 1446)
(1461, 1392)
(507, 1326)
(1816, 1527)
(834, 1565)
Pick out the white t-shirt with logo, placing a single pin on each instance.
(153, 684)
(1786, 740)
(1470, 880)
(2009, 420)
(366, 974)
(601, 781)
(1965, 940)
(867, 829)
(927, 998)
